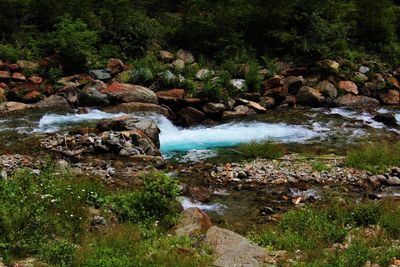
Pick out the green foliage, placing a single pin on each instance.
(142, 76)
(367, 214)
(157, 201)
(266, 149)
(128, 245)
(8, 53)
(253, 78)
(321, 166)
(74, 42)
(374, 157)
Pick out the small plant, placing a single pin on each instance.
(367, 214)
(9, 53)
(253, 78)
(266, 149)
(321, 166)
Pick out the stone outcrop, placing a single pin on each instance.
(125, 93)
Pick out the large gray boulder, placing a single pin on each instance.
(91, 96)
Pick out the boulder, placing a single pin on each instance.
(213, 108)
(273, 82)
(100, 74)
(8, 107)
(32, 97)
(5, 75)
(309, 96)
(293, 84)
(204, 73)
(244, 109)
(348, 87)
(91, 95)
(191, 116)
(278, 92)
(54, 101)
(123, 92)
(115, 66)
(391, 97)
(329, 64)
(70, 93)
(232, 249)
(166, 56)
(18, 77)
(257, 107)
(150, 128)
(267, 102)
(172, 94)
(192, 222)
(357, 101)
(178, 64)
(2, 95)
(186, 56)
(227, 115)
(36, 79)
(389, 119)
(139, 107)
(327, 89)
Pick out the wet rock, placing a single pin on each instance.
(191, 116)
(139, 107)
(186, 56)
(123, 92)
(354, 101)
(232, 249)
(309, 96)
(100, 74)
(348, 87)
(192, 222)
(213, 108)
(91, 95)
(391, 97)
(389, 119)
(54, 101)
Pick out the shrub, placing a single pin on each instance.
(321, 166)
(157, 201)
(74, 42)
(266, 149)
(367, 214)
(253, 78)
(213, 90)
(9, 53)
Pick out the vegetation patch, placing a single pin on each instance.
(265, 149)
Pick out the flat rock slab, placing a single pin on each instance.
(232, 249)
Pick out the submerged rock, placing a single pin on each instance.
(389, 119)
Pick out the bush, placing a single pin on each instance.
(74, 42)
(9, 53)
(265, 149)
(253, 78)
(157, 201)
(367, 214)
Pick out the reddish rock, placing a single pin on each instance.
(357, 101)
(277, 92)
(115, 66)
(309, 96)
(19, 77)
(123, 92)
(13, 67)
(173, 94)
(348, 87)
(392, 97)
(394, 82)
(36, 79)
(5, 75)
(32, 97)
(3, 85)
(8, 107)
(193, 221)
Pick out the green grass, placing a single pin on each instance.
(375, 157)
(321, 166)
(266, 149)
(47, 216)
(312, 231)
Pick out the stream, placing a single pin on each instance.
(319, 130)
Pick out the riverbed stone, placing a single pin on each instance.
(54, 101)
(172, 94)
(213, 108)
(391, 97)
(186, 56)
(192, 222)
(139, 107)
(309, 96)
(7, 107)
(232, 249)
(357, 101)
(190, 116)
(348, 87)
(389, 119)
(125, 93)
(327, 89)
